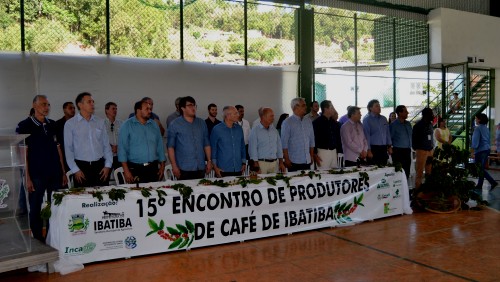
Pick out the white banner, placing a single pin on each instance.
(88, 230)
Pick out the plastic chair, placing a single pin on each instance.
(119, 177)
(340, 160)
(168, 173)
(70, 177)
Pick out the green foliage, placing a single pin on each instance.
(449, 176)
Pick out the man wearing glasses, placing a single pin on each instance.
(188, 144)
(44, 161)
(113, 129)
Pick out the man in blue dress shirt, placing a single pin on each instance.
(188, 144)
(401, 135)
(228, 145)
(264, 145)
(86, 144)
(377, 134)
(297, 138)
(140, 147)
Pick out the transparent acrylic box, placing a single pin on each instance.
(14, 222)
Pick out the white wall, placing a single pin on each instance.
(126, 80)
(456, 35)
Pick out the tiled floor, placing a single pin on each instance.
(421, 247)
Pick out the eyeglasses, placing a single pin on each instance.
(191, 105)
(112, 127)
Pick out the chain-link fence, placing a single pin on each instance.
(214, 32)
(9, 26)
(145, 28)
(360, 57)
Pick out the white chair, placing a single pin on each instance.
(247, 169)
(340, 160)
(168, 173)
(211, 174)
(70, 177)
(119, 177)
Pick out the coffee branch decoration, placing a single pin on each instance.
(181, 236)
(343, 211)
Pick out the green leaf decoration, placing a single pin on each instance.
(182, 228)
(161, 193)
(348, 207)
(175, 243)
(190, 241)
(186, 241)
(337, 206)
(145, 192)
(45, 213)
(162, 225)
(151, 232)
(190, 226)
(342, 207)
(173, 231)
(117, 194)
(183, 189)
(204, 182)
(58, 198)
(271, 180)
(152, 224)
(360, 198)
(97, 194)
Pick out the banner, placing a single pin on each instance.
(88, 230)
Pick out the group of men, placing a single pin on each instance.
(89, 147)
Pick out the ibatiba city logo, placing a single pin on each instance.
(4, 192)
(112, 222)
(383, 184)
(81, 250)
(130, 242)
(78, 224)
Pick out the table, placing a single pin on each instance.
(87, 230)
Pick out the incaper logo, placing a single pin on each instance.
(86, 249)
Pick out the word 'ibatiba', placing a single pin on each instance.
(255, 197)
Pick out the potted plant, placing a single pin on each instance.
(447, 188)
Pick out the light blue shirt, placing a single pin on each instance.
(228, 147)
(86, 141)
(401, 134)
(140, 143)
(264, 143)
(297, 135)
(481, 138)
(376, 130)
(189, 141)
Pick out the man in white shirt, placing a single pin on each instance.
(113, 128)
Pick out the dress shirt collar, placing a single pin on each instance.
(134, 119)
(80, 117)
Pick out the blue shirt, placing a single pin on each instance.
(189, 141)
(480, 138)
(401, 134)
(264, 143)
(297, 135)
(86, 141)
(228, 147)
(376, 130)
(140, 143)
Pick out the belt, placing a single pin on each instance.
(267, 160)
(143, 164)
(90, 163)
